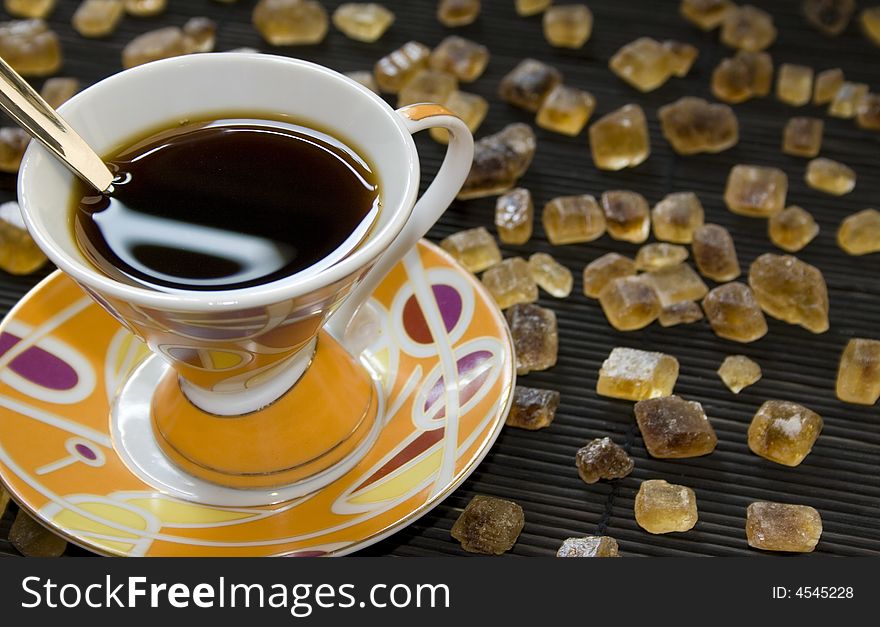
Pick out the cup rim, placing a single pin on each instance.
(254, 296)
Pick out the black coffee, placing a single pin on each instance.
(225, 204)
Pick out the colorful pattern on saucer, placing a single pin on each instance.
(62, 359)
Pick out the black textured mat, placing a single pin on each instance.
(536, 469)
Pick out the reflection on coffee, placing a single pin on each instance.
(225, 204)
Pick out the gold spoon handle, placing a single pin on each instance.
(44, 124)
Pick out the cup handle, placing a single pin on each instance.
(427, 210)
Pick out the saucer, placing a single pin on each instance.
(433, 339)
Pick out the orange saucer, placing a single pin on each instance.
(435, 341)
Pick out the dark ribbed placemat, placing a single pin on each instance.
(536, 469)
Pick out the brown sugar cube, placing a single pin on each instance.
(644, 63)
(674, 428)
(858, 374)
(755, 190)
(454, 13)
(676, 217)
(489, 525)
(566, 110)
(630, 303)
(715, 254)
(870, 21)
(362, 21)
(636, 375)
(30, 47)
(463, 58)
(743, 76)
(790, 290)
(56, 91)
(739, 372)
(684, 312)
(19, 254)
(29, 8)
(681, 56)
(831, 177)
(627, 216)
(514, 216)
(829, 16)
(748, 28)
(784, 432)
(620, 139)
(794, 84)
(13, 143)
(471, 108)
(792, 228)
(846, 101)
(868, 112)
(705, 14)
(599, 272)
(145, 8)
(589, 546)
(475, 249)
(573, 219)
(676, 284)
(510, 282)
(734, 313)
(550, 275)
(290, 22)
(427, 86)
(783, 527)
(859, 234)
(662, 507)
(499, 161)
(532, 408)
(396, 68)
(802, 137)
(535, 337)
(692, 125)
(526, 85)
(568, 26)
(526, 8)
(97, 18)
(601, 458)
(826, 85)
(656, 255)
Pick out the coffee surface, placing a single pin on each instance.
(226, 204)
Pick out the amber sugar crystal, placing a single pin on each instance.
(29, 8)
(499, 161)
(363, 21)
(599, 272)
(790, 290)
(829, 176)
(705, 14)
(532, 408)
(153, 45)
(566, 110)
(715, 253)
(829, 16)
(510, 282)
(681, 56)
(868, 112)
(847, 100)
(601, 458)
(589, 546)
(514, 216)
(675, 428)
(748, 28)
(535, 337)
(734, 313)
(826, 85)
(454, 13)
(859, 234)
(636, 375)
(475, 249)
(627, 216)
(97, 18)
(463, 58)
(684, 312)
(792, 228)
(290, 22)
(394, 69)
(620, 139)
(489, 525)
(755, 190)
(471, 108)
(784, 432)
(660, 255)
(573, 219)
(18, 252)
(676, 284)
(550, 275)
(858, 375)
(30, 47)
(630, 303)
(802, 137)
(427, 86)
(692, 125)
(782, 527)
(743, 76)
(677, 217)
(794, 84)
(526, 85)
(644, 63)
(568, 25)
(662, 507)
(739, 372)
